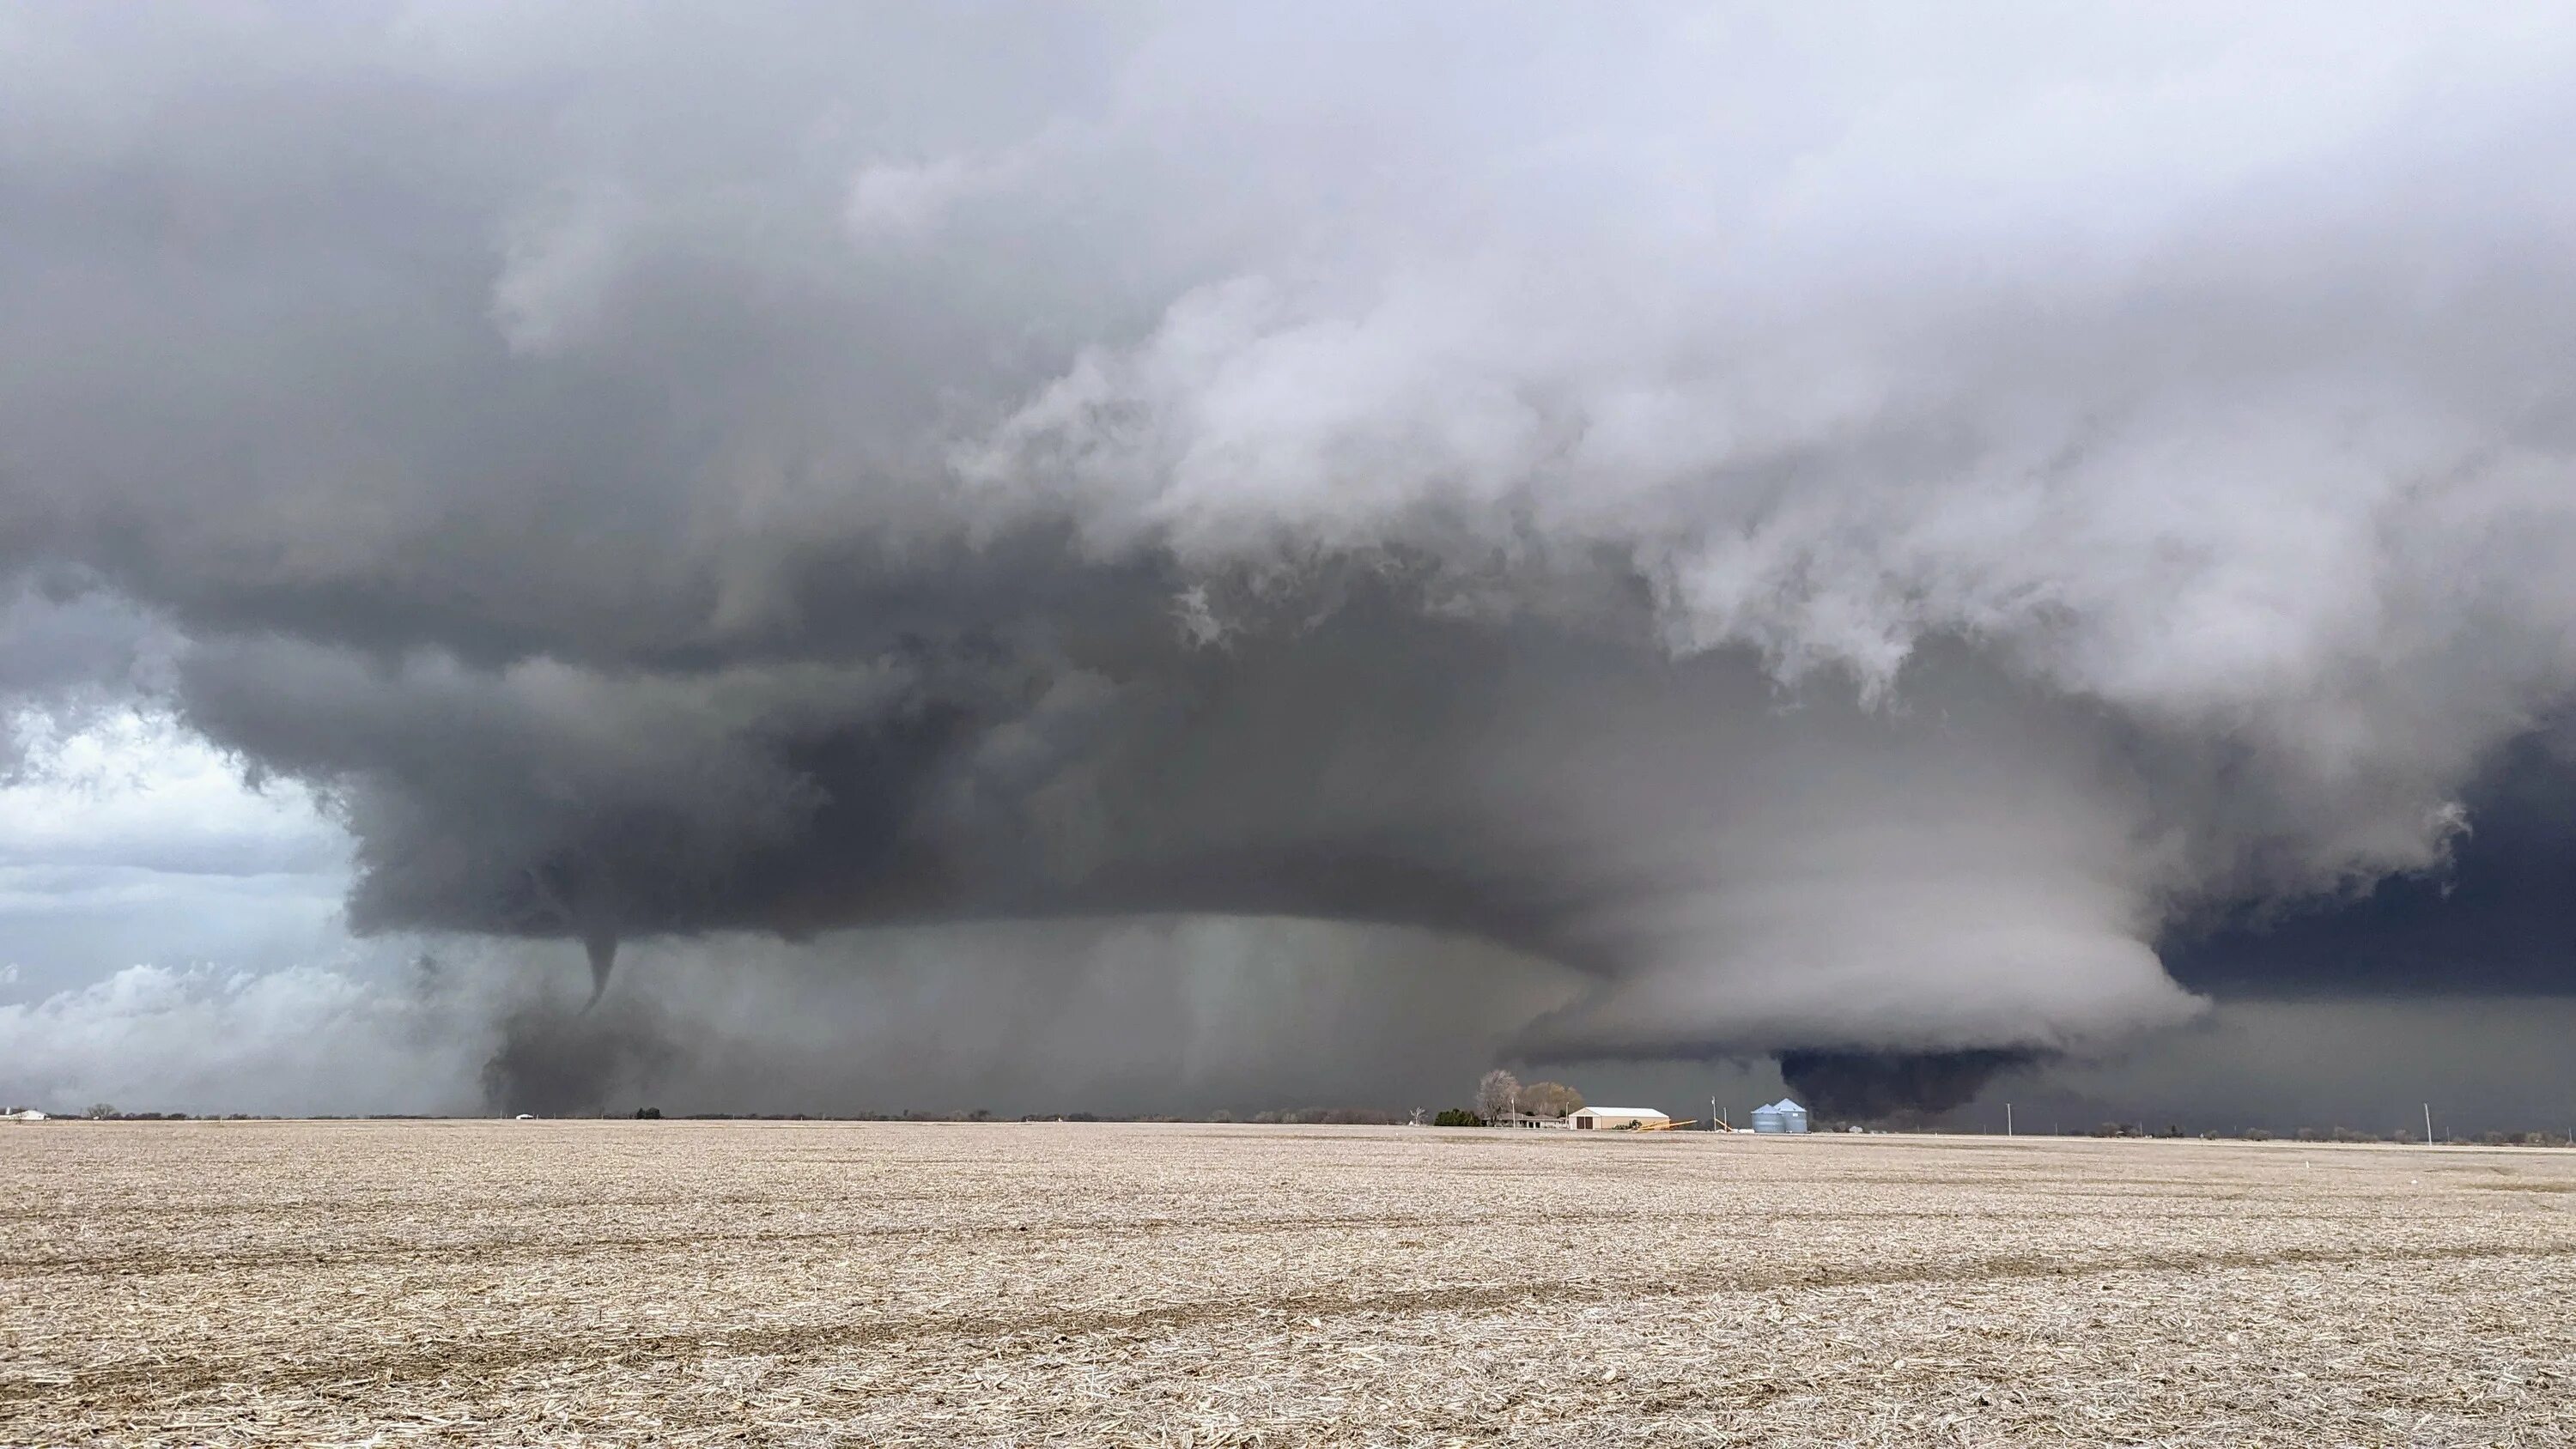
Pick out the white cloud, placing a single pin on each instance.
(559, 262)
(130, 839)
(906, 200)
(203, 1038)
(132, 790)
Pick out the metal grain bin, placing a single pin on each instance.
(1781, 1116)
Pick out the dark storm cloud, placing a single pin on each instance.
(1874, 1086)
(66, 654)
(1854, 567)
(2499, 919)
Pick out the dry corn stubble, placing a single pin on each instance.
(688, 1283)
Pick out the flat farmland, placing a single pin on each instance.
(971, 1284)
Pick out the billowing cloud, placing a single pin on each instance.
(125, 838)
(301, 1040)
(1847, 529)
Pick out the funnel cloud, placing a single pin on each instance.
(1870, 537)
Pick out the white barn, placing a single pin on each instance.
(1595, 1117)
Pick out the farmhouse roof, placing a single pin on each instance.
(1623, 1111)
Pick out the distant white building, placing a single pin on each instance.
(1599, 1117)
(30, 1115)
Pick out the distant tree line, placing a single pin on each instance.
(1499, 1095)
(105, 1112)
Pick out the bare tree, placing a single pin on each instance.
(1498, 1095)
(1550, 1099)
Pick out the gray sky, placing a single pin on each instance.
(1412, 537)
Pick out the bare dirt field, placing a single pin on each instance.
(689, 1283)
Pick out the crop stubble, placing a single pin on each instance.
(811, 1283)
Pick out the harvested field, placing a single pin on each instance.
(688, 1283)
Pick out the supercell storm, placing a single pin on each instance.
(1819, 523)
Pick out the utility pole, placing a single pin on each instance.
(2428, 1124)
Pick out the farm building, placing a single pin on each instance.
(1781, 1116)
(1593, 1117)
(30, 1115)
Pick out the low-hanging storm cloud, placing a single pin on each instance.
(1851, 530)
